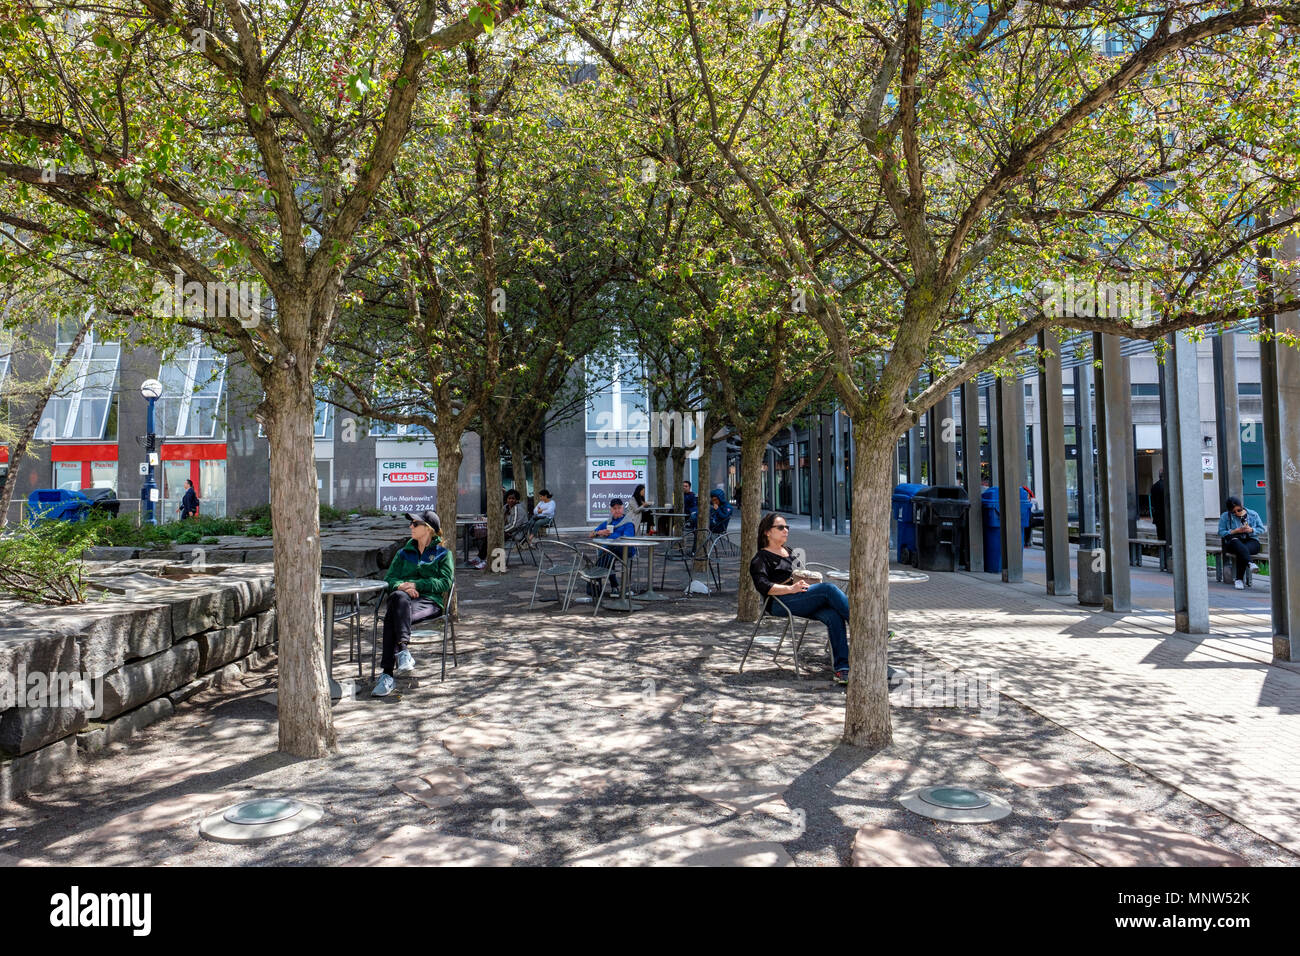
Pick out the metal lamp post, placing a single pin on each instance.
(152, 390)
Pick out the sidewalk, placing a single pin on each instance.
(1205, 713)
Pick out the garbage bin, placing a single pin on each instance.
(1026, 514)
(55, 504)
(902, 513)
(992, 518)
(940, 514)
(103, 500)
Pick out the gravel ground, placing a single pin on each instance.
(626, 701)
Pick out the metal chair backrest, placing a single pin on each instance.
(590, 553)
(557, 555)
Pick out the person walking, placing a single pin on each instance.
(419, 580)
(1239, 528)
(1160, 507)
(189, 501)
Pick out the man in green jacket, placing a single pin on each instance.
(419, 580)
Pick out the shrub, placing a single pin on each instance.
(42, 563)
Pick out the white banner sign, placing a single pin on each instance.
(407, 484)
(611, 478)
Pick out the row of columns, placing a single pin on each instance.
(1115, 478)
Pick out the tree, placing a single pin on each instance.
(213, 146)
(921, 176)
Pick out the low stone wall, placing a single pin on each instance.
(154, 635)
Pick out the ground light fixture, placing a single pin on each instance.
(255, 820)
(955, 804)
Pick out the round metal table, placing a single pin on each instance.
(895, 576)
(331, 588)
(649, 543)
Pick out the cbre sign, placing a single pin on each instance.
(406, 484)
(611, 478)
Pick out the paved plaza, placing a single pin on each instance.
(625, 739)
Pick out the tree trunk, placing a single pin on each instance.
(705, 442)
(306, 724)
(866, 715)
(661, 478)
(539, 468)
(450, 457)
(748, 603)
(679, 474)
(519, 467)
(40, 400)
(496, 539)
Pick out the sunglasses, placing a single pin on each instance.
(780, 527)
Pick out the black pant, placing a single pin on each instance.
(1241, 549)
(403, 611)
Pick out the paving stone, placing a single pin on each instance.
(825, 716)
(416, 846)
(648, 699)
(732, 711)
(1112, 834)
(684, 846)
(549, 786)
(967, 727)
(741, 796)
(437, 787)
(878, 846)
(467, 740)
(122, 840)
(1055, 855)
(1035, 773)
(758, 749)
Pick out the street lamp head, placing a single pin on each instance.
(151, 389)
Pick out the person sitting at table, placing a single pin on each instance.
(543, 512)
(515, 520)
(419, 580)
(690, 506)
(639, 512)
(719, 511)
(615, 527)
(1239, 527)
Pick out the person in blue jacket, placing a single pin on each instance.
(1239, 527)
(618, 525)
(719, 511)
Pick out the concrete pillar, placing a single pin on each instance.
(829, 465)
(945, 442)
(1182, 429)
(1083, 436)
(1280, 378)
(1112, 448)
(1227, 416)
(991, 423)
(1130, 450)
(914, 455)
(970, 454)
(1051, 415)
(1011, 467)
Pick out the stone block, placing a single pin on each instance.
(220, 647)
(20, 775)
(24, 653)
(101, 735)
(256, 589)
(103, 553)
(202, 603)
(189, 690)
(134, 684)
(259, 555)
(265, 629)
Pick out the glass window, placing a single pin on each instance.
(103, 474)
(324, 420)
(81, 401)
(67, 475)
(617, 396)
(193, 387)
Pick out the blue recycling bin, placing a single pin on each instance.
(903, 514)
(1026, 511)
(55, 504)
(992, 520)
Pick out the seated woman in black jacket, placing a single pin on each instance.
(773, 572)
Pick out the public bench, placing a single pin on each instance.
(1214, 548)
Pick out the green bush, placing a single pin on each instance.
(42, 563)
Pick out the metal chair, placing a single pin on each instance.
(557, 560)
(785, 630)
(518, 539)
(348, 610)
(595, 563)
(444, 621)
(719, 545)
(684, 550)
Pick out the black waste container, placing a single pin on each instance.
(940, 514)
(103, 501)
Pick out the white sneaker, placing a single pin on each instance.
(383, 687)
(1239, 584)
(405, 664)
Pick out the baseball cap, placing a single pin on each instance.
(426, 517)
